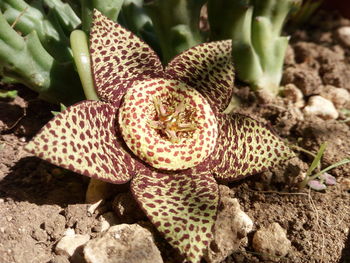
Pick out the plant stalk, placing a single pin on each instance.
(81, 55)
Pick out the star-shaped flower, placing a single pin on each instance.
(162, 129)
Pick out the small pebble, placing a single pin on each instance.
(271, 243)
(321, 107)
(231, 228)
(339, 96)
(294, 94)
(68, 245)
(343, 34)
(69, 232)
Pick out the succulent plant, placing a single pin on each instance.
(304, 10)
(39, 56)
(176, 23)
(109, 8)
(163, 130)
(134, 17)
(34, 44)
(255, 27)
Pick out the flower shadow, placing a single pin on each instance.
(345, 256)
(39, 182)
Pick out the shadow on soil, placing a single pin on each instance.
(39, 182)
(345, 258)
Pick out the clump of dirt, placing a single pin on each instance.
(39, 201)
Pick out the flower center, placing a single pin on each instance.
(173, 123)
(167, 124)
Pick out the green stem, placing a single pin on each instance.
(313, 166)
(342, 162)
(81, 55)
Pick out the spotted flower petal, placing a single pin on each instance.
(182, 207)
(208, 68)
(245, 147)
(118, 57)
(83, 139)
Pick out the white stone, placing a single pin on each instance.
(339, 96)
(231, 228)
(68, 245)
(69, 232)
(343, 34)
(321, 107)
(105, 225)
(123, 243)
(271, 243)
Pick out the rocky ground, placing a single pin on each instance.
(265, 218)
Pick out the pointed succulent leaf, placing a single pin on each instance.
(245, 147)
(83, 139)
(118, 57)
(316, 185)
(208, 68)
(183, 208)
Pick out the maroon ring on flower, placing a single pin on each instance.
(163, 130)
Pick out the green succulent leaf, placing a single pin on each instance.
(258, 48)
(83, 139)
(245, 147)
(109, 8)
(182, 207)
(118, 58)
(133, 16)
(208, 68)
(8, 94)
(26, 61)
(28, 18)
(64, 13)
(176, 23)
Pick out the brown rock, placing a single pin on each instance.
(231, 228)
(59, 259)
(339, 96)
(71, 246)
(55, 227)
(294, 94)
(271, 242)
(307, 80)
(121, 244)
(290, 57)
